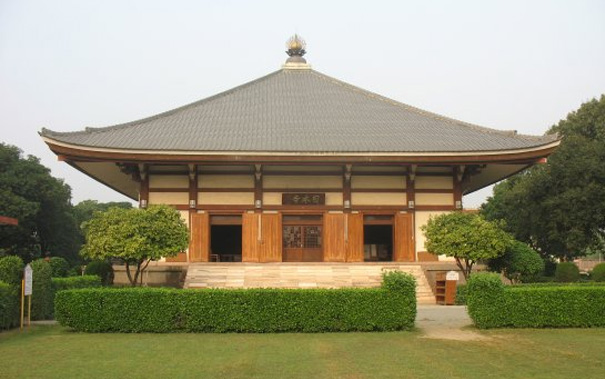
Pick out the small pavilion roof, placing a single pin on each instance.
(299, 110)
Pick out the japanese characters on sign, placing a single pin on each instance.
(27, 288)
(303, 199)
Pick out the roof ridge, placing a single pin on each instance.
(87, 129)
(371, 94)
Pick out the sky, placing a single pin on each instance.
(66, 65)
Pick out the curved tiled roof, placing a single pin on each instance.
(299, 111)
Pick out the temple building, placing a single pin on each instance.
(297, 166)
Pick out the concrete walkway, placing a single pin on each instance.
(449, 322)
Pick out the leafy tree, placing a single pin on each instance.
(84, 210)
(42, 205)
(559, 208)
(519, 263)
(137, 236)
(467, 237)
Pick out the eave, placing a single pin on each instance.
(96, 154)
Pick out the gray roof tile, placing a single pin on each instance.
(299, 111)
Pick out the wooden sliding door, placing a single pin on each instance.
(261, 237)
(199, 243)
(403, 228)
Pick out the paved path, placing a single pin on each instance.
(446, 322)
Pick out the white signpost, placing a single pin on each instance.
(452, 275)
(26, 290)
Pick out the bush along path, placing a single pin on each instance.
(493, 305)
(160, 310)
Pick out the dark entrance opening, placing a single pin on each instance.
(378, 243)
(225, 239)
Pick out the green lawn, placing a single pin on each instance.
(54, 352)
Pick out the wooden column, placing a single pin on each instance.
(258, 186)
(409, 186)
(458, 177)
(144, 186)
(192, 187)
(346, 188)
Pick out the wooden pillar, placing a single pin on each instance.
(192, 187)
(409, 187)
(258, 187)
(458, 177)
(144, 186)
(346, 188)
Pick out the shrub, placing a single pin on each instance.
(42, 293)
(520, 263)
(461, 292)
(59, 267)
(493, 305)
(159, 310)
(482, 299)
(11, 270)
(598, 273)
(102, 269)
(9, 305)
(396, 280)
(73, 282)
(567, 272)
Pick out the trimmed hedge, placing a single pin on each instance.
(461, 294)
(73, 282)
(567, 272)
(160, 310)
(493, 305)
(9, 306)
(11, 270)
(42, 292)
(598, 273)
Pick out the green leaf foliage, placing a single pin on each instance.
(42, 205)
(461, 292)
(102, 269)
(73, 282)
(567, 272)
(59, 267)
(135, 234)
(9, 305)
(519, 263)
(559, 207)
(11, 270)
(598, 273)
(160, 310)
(465, 236)
(490, 304)
(42, 292)
(85, 210)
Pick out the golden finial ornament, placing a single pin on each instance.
(296, 46)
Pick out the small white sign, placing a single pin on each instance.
(27, 290)
(452, 275)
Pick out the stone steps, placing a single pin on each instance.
(301, 275)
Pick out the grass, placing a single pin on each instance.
(54, 352)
